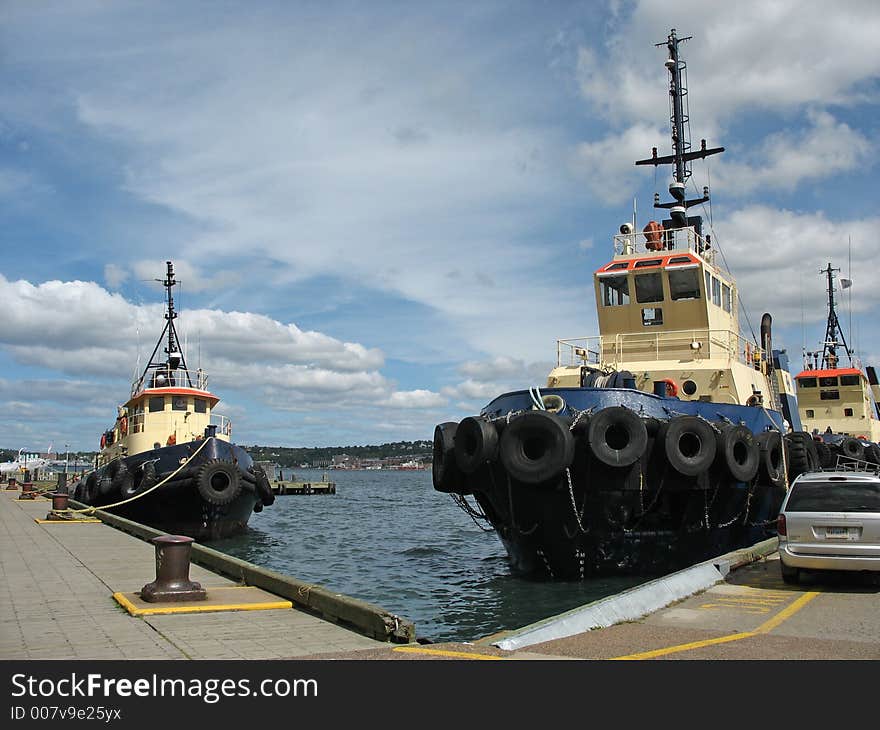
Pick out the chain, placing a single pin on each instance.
(465, 506)
(574, 509)
(580, 414)
(513, 524)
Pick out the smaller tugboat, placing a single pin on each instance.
(168, 461)
(838, 405)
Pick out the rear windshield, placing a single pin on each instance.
(834, 497)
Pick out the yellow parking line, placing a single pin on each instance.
(764, 628)
(444, 652)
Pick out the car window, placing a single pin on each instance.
(834, 497)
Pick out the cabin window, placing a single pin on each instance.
(618, 266)
(830, 382)
(829, 395)
(679, 260)
(708, 285)
(178, 403)
(684, 284)
(807, 382)
(649, 288)
(652, 316)
(157, 403)
(614, 290)
(716, 292)
(726, 298)
(646, 263)
(847, 411)
(200, 405)
(810, 413)
(849, 379)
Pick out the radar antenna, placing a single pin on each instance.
(682, 153)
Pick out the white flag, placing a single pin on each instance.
(846, 283)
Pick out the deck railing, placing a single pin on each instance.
(674, 239)
(164, 378)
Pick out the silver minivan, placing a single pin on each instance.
(830, 520)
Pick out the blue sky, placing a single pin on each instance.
(383, 214)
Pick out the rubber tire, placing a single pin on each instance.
(770, 466)
(679, 427)
(444, 469)
(731, 442)
(105, 483)
(90, 488)
(262, 486)
(872, 453)
(476, 443)
(790, 576)
(802, 454)
(852, 448)
(627, 425)
(78, 490)
(120, 477)
(229, 481)
(826, 455)
(536, 446)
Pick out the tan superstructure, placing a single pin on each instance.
(838, 400)
(668, 312)
(174, 406)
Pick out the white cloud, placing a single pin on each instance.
(115, 275)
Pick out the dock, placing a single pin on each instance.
(323, 486)
(63, 581)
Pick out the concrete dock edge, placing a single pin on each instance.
(360, 616)
(636, 602)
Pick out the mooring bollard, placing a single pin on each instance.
(10, 484)
(59, 500)
(172, 572)
(28, 487)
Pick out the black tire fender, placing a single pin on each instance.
(689, 444)
(536, 446)
(444, 469)
(218, 482)
(739, 451)
(852, 447)
(872, 453)
(617, 436)
(770, 465)
(476, 443)
(802, 454)
(262, 486)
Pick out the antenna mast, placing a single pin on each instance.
(682, 154)
(832, 330)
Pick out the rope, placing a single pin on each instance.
(91, 510)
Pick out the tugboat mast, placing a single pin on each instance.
(174, 357)
(832, 329)
(681, 142)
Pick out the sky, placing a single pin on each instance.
(381, 215)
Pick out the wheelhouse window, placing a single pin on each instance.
(200, 405)
(829, 395)
(649, 288)
(726, 299)
(618, 266)
(708, 284)
(178, 403)
(847, 411)
(614, 290)
(647, 263)
(849, 379)
(830, 382)
(652, 316)
(157, 403)
(806, 382)
(684, 284)
(716, 292)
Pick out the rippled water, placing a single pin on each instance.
(389, 538)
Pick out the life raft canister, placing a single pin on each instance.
(653, 236)
(103, 440)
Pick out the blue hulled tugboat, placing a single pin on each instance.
(660, 442)
(168, 461)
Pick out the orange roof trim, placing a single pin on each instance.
(829, 373)
(680, 258)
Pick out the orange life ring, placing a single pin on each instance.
(123, 425)
(653, 233)
(103, 440)
(671, 387)
(172, 439)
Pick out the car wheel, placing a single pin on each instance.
(789, 575)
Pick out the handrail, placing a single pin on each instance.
(674, 239)
(165, 378)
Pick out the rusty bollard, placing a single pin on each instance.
(59, 500)
(28, 491)
(172, 572)
(10, 484)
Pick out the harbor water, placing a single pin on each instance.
(389, 538)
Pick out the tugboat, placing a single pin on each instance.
(657, 444)
(168, 461)
(838, 405)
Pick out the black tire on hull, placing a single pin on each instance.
(802, 454)
(740, 452)
(218, 482)
(262, 486)
(444, 469)
(770, 465)
(90, 488)
(825, 454)
(617, 436)
(689, 445)
(872, 453)
(536, 447)
(122, 479)
(476, 443)
(852, 448)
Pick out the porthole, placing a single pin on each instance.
(689, 387)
